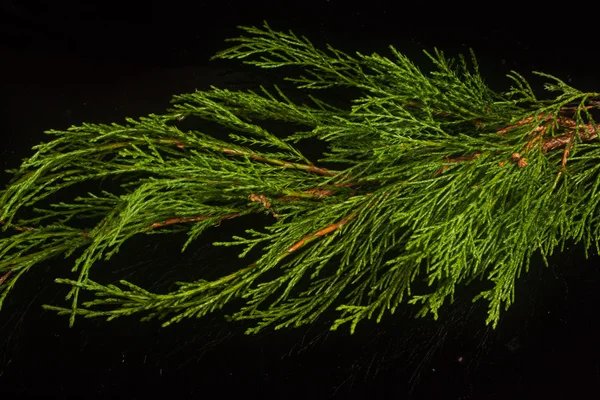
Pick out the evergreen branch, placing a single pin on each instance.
(440, 179)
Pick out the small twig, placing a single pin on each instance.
(177, 220)
(284, 164)
(5, 276)
(329, 228)
(19, 228)
(457, 159)
(522, 122)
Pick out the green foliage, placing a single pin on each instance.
(440, 180)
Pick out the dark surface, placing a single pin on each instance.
(66, 64)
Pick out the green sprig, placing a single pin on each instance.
(440, 180)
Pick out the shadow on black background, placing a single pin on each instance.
(69, 64)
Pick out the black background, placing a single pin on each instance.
(63, 64)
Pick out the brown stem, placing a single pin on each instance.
(19, 228)
(328, 229)
(6, 276)
(284, 164)
(177, 220)
(457, 159)
(273, 161)
(586, 132)
(522, 122)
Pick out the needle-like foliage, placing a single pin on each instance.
(441, 180)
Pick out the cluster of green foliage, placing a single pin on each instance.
(441, 181)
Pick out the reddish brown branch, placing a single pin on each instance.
(176, 220)
(586, 132)
(328, 229)
(19, 228)
(522, 122)
(457, 159)
(281, 163)
(318, 192)
(5, 276)
(284, 164)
